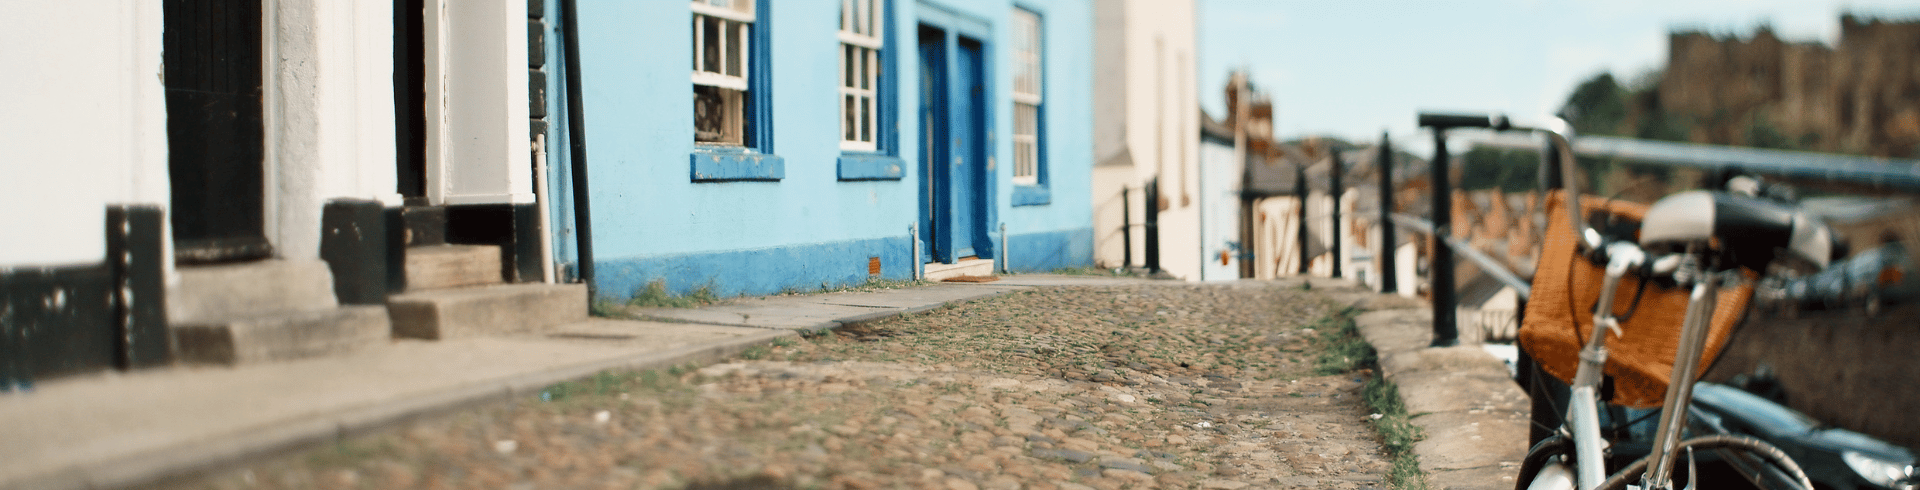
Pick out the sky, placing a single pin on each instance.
(1355, 68)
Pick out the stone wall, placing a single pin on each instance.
(1860, 96)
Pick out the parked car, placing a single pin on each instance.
(1833, 458)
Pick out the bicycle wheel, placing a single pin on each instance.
(1541, 457)
(1748, 445)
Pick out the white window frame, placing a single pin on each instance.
(727, 11)
(1027, 87)
(862, 36)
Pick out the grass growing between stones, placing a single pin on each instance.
(1397, 434)
(1344, 350)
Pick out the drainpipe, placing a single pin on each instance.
(577, 138)
(913, 236)
(1006, 259)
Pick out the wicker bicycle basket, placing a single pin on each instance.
(1560, 309)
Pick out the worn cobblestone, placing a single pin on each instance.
(1149, 386)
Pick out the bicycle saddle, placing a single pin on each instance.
(1752, 231)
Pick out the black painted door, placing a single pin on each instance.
(215, 135)
(409, 97)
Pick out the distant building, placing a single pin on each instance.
(1859, 96)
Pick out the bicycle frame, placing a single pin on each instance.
(1583, 416)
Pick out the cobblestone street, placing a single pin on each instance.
(1150, 386)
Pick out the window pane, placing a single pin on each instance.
(696, 43)
(1025, 119)
(847, 123)
(846, 65)
(736, 43)
(866, 119)
(709, 108)
(709, 44)
(866, 68)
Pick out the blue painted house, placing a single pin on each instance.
(763, 146)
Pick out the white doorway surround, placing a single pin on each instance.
(476, 103)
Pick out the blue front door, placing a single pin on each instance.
(954, 146)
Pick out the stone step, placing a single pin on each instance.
(975, 267)
(282, 336)
(212, 293)
(452, 266)
(487, 310)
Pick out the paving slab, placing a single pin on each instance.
(1469, 391)
(1031, 280)
(912, 300)
(119, 429)
(1490, 478)
(1462, 440)
(1459, 359)
(787, 315)
(1397, 330)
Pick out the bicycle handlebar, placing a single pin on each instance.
(1556, 129)
(1441, 120)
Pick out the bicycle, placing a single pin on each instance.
(1696, 242)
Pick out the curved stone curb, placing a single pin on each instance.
(1474, 416)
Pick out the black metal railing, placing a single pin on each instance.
(1884, 174)
(1150, 229)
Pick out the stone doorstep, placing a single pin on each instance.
(449, 266)
(213, 293)
(280, 337)
(474, 311)
(968, 267)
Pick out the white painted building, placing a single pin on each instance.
(176, 165)
(1146, 130)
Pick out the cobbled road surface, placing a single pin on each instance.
(1141, 386)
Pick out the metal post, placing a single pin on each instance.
(1336, 189)
(913, 236)
(1389, 253)
(1153, 225)
(1126, 229)
(1300, 194)
(1006, 259)
(1440, 270)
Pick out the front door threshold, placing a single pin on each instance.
(974, 267)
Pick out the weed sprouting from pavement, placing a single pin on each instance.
(756, 353)
(1397, 433)
(655, 294)
(1342, 347)
(605, 308)
(1343, 350)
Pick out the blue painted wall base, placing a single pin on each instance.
(759, 272)
(1043, 252)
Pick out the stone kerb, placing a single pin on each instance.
(1462, 398)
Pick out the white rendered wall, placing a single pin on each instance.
(485, 151)
(1147, 48)
(85, 125)
(329, 113)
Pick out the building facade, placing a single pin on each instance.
(821, 140)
